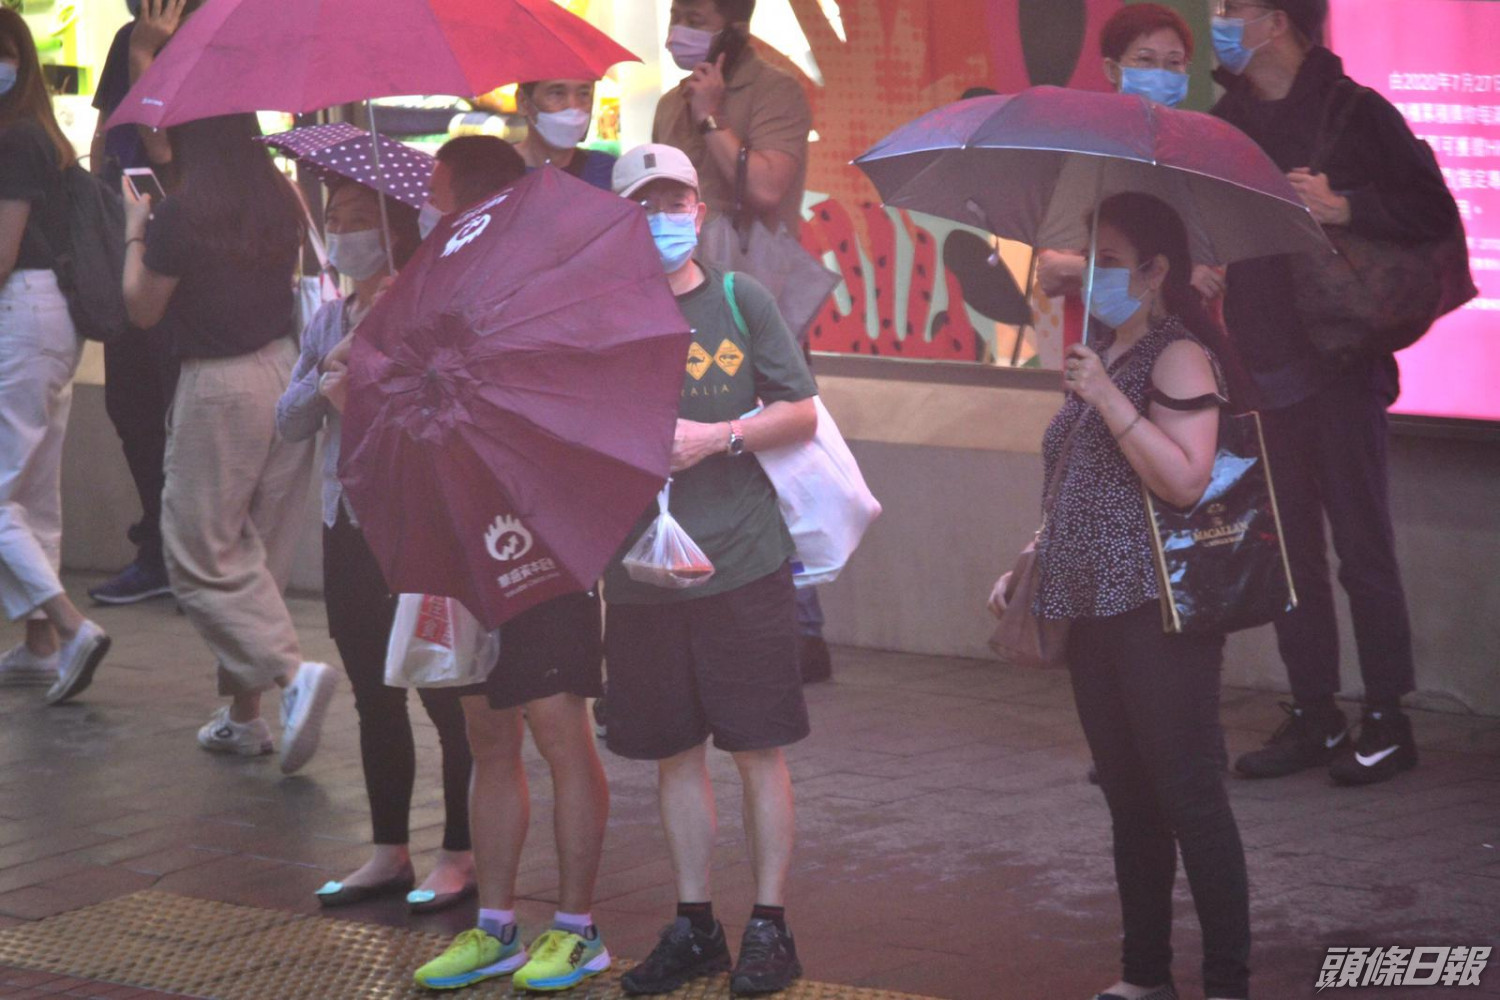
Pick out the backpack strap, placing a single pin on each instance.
(1343, 98)
(734, 305)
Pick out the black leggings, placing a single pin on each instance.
(1149, 704)
(359, 619)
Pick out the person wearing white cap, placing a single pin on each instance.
(720, 659)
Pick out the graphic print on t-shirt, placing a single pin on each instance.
(727, 358)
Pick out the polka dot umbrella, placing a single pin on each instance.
(342, 150)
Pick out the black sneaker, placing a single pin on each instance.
(813, 659)
(682, 954)
(136, 582)
(1384, 749)
(768, 960)
(1303, 741)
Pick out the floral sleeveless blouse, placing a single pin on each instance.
(1094, 554)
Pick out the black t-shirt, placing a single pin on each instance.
(122, 144)
(28, 172)
(223, 306)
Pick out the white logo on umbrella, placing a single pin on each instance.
(510, 530)
(467, 234)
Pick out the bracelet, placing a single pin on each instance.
(1129, 427)
(136, 239)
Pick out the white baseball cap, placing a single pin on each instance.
(652, 162)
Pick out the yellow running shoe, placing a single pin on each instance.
(561, 960)
(473, 957)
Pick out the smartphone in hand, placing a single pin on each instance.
(144, 183)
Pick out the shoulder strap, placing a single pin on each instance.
(1343, 98)
(734, 304)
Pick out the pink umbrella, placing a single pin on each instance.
(271, 55)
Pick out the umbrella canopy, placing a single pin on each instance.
(341, 150)
(1032, 166)
(261, 55)
(513, 396)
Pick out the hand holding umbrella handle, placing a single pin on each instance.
(333, 385)
(157, 22)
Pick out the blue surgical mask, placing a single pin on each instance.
(1112, 303)
(1160, 85)
(7, 77)
(428, 218)
(1229, 42)
(676, 237)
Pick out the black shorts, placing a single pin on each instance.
(723, 666)
(553, 648)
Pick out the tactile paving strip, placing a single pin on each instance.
(227, 952)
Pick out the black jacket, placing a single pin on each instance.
(1393, 190)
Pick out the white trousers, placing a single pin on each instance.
(39, 352)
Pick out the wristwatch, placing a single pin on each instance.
(707, 125)
(736, 438)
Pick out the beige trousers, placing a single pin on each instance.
(233, 510)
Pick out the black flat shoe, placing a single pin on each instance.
(334, 894)
(420, 901)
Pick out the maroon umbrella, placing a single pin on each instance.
(271, 55)
(512, 398)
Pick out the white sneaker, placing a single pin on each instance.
(221, 734)
(304, 703)
(77, 660)
(22, 666)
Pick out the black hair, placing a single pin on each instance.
(973, 92)
(231, 193)
(29, 99)
(406, 234)
(1308, 18)
(481, 165)
(735, 11)
(1155, 229)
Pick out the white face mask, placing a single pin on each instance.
(428, 218)
(562, 129)
(358, 255)
(689, 46)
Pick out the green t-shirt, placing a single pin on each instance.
(725, 503)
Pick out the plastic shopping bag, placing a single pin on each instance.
(665, 556)
(436, 642)
(823, 498)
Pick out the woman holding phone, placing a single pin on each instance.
(39, 351)
(213, 269)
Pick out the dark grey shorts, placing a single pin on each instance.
(723, 666)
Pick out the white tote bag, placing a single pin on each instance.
(823, 499)
(436, 642)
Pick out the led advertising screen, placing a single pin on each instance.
(1438, 62)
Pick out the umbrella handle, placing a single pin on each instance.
(385, 220)
(1088, 290)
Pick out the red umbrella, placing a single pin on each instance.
(512, 398)
(271, 55)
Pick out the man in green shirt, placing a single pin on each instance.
(719, 659)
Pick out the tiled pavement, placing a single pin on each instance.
(27, 984)
(949, 843)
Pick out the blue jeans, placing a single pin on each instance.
(809, 613)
